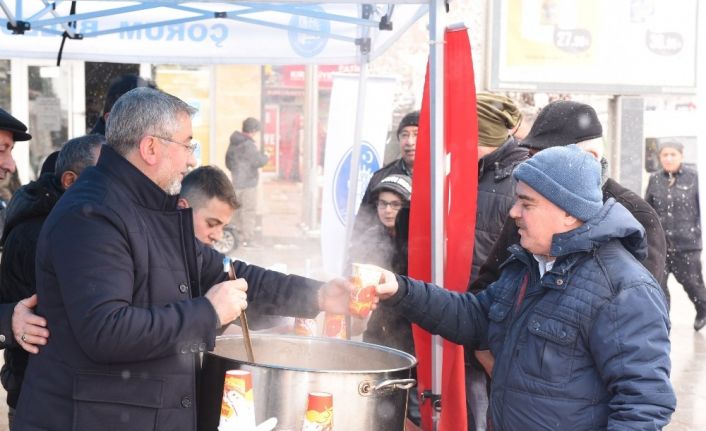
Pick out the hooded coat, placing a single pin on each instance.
(243, 159)
(26, 213)
(585, 348)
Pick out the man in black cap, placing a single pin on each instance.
(407, 136)
(18, 324)
(11, 131)
(561, 123)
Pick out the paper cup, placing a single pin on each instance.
(305, 327)
(238, 406)
(319, 412)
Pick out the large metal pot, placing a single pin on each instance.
(369, 383)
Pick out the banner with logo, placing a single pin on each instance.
(339, 148)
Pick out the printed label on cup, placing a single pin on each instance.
(365, 278)
(335, 326)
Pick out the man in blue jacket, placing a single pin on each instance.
(131, 297)
(578, 327)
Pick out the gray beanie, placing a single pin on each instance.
(568, 177)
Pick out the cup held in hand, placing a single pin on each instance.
(365, 278)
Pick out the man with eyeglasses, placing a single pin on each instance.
(407, 136)
(131, 297)
(244, 160)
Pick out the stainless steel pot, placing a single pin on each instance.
(369, 383)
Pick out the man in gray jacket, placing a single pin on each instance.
(244, 159)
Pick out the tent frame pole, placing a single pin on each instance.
(437, 10)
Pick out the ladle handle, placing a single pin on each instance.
(243, 323)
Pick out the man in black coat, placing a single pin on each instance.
(19, 326)
(26, 213)
(130, 294)
(674, 193)
(562, 123)
(407, 136)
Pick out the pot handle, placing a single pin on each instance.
(369, 388)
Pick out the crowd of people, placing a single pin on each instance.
(106, 306)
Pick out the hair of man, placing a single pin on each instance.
(140, 112)
(251, 125)
(77, 154)
(205, 183)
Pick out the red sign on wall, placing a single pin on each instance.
(293, 76)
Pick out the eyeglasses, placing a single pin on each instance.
(190, 147)
(395, 205)
(404, 136)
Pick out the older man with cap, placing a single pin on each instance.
(578, 327)
(18, 324)
(560, 123)
(407, 136)
(674, 193)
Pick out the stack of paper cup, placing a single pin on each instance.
(238, 406)
(319, 412)
(365, 278)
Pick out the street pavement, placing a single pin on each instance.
(286, 245)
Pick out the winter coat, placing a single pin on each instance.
(120, 279)
(243, 159)
(26, 213)
(677, 207)
(641, 210)
(367, 213)
(496, 194)
(587, 346)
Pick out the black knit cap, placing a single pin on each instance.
(563, 122)
(411, 119)
(14, 126)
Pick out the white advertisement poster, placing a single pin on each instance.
(608, 46)
(339, 148)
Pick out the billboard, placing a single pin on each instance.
(599, 46)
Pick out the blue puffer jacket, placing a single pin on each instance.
(588, 347)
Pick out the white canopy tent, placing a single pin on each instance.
(242, 32)
(207, 32)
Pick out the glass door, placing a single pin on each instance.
(53, 102)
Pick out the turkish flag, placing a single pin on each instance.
(460, 169)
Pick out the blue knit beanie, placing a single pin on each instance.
(568, 177)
